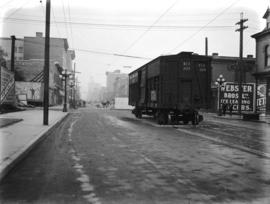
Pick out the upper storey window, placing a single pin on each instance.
(267, 56)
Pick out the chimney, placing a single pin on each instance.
(39, 34)
(206, 46)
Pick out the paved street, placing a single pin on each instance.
(108, 156)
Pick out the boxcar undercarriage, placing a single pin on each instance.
(169, 116)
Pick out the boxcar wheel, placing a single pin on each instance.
(185, 122)
(195, 119)
(162, 118)
(138, 114)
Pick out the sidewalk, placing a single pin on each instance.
(262, 118)
(17, 139)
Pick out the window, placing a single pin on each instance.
(267, 56)
(19, 49)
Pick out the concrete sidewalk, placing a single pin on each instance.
(18, 139)
(262, 118)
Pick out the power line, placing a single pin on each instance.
(6, 3)
(200, 29)
(114, 54)
(70, 26)
(90, 51)
(65, 22)
(150, 27)
(54, 21)
(16, 10)
(124, 26)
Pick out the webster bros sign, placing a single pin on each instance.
(229, 94)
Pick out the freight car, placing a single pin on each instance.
(172, 88)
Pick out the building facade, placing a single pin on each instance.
(5, 45)
(29, 81)
(117, 84)
(59, 50)
(262, 72)
(29, 65)
(228, 67)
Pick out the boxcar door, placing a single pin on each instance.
(185, 93)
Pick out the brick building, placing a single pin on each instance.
(5, 44)
(29, 64)
(227, 66)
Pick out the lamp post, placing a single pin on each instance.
(72, 86)
(64, 75)
(219, 82)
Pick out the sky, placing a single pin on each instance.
(125, 34)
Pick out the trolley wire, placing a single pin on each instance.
(18, 9)
(90, 51)
(150, 27)
(201, 28)
(55, 22)
(119, 26)
(65, 21)
(70, 25)
(6, 3)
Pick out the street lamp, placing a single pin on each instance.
(64, 75)
(72, 86)
(219, 82)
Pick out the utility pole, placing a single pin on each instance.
(74, 97)
(206, 46)
(12, 60)
(46, 65)
(66, 75)
(240, 64)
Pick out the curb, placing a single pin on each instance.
(223, 142)
(218, 141)
(239, 119)
(22, 153)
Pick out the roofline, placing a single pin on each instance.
(162, 56)
(264, 32)
(266, 13)
(7, 38)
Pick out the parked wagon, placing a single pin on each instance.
(172, 88)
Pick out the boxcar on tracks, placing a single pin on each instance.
(172, 88)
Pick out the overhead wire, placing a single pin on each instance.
(6, 3)
(120, 26)
(87, 50)
(70, 25)
(204, 26)
(65, 21)
(19, 8)
(150, 27)
(54, 21)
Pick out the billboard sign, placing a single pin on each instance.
(261, 97)
(229, 94)
(32, 90)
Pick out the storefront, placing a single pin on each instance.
(263, 92)
(262, 73)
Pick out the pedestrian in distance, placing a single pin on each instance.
(224, 108)
(230, 109)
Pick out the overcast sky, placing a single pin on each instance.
(101, 31)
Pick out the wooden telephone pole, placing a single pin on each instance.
(46, 65)
(240, 64)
